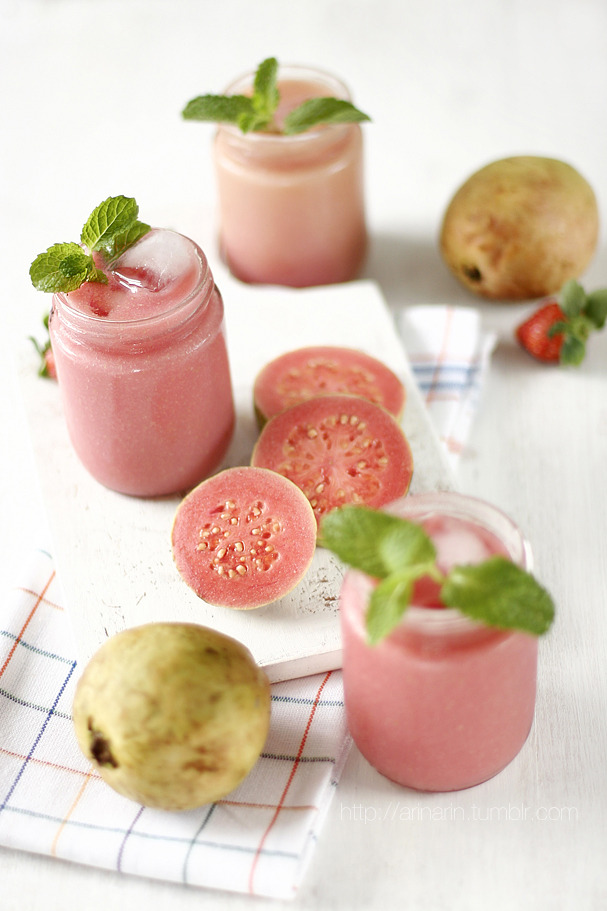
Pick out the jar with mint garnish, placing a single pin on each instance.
(137, 333)
(288, 157)
(440, 619)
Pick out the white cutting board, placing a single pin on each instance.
(113, 552)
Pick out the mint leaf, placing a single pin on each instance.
(218, 108)
(256, 113)
(265, 91)
(500, 594)
(113, 226)
(110, 229)
(63, 268)
(315, 111)
(375, 542)
(397, 552)
(406, 545)
(251, 121)
(248, 113)
(126, 239)
(111, 217)
(387, 604)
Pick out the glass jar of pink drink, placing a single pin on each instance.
(443, 702)
(291, 207)
(143, 369)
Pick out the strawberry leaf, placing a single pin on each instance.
(573, 351)
(561, 327)
(573, 298)
(596, 307)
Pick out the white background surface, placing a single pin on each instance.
(91, 92)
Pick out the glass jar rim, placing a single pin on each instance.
(433, 620)
(290, 72)
(449, 502)
(417, 506)
(104, 323)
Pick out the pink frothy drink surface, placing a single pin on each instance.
(441, 703)
(143, 369)
(292, 208)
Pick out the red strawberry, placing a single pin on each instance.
(534, 336)
(47, 358)
(48, 368)
(558, 332)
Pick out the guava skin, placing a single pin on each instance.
(520, 227)
(172, 715)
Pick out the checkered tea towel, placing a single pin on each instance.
(260, 838)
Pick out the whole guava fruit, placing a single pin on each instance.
(520, 227)
(173, 715)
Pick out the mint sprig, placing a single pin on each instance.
(255, 113)
(582, 314)
(397, 552)
(110, 229)
(64, 267)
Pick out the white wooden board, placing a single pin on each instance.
(113, 552)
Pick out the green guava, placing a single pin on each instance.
(520, 227)
(172, 715)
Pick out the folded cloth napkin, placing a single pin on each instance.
(449, 353)
(260, 838)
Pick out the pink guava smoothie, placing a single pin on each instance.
(291, 208)
(143, 369)
(442, 703)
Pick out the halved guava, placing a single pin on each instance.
(307, 373)
(244, 537)
(338, 449)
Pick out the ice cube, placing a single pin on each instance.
(460, 544)
(157, 261)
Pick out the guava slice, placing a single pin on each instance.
(338, 449)
(306, 373)
(244, 537)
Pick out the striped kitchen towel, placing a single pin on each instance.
(260, 838)
(449, 352)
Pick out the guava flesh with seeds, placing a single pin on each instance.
(306, 373)
(172, 715)
(243, 538)
(520, 227)
(338, 449)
